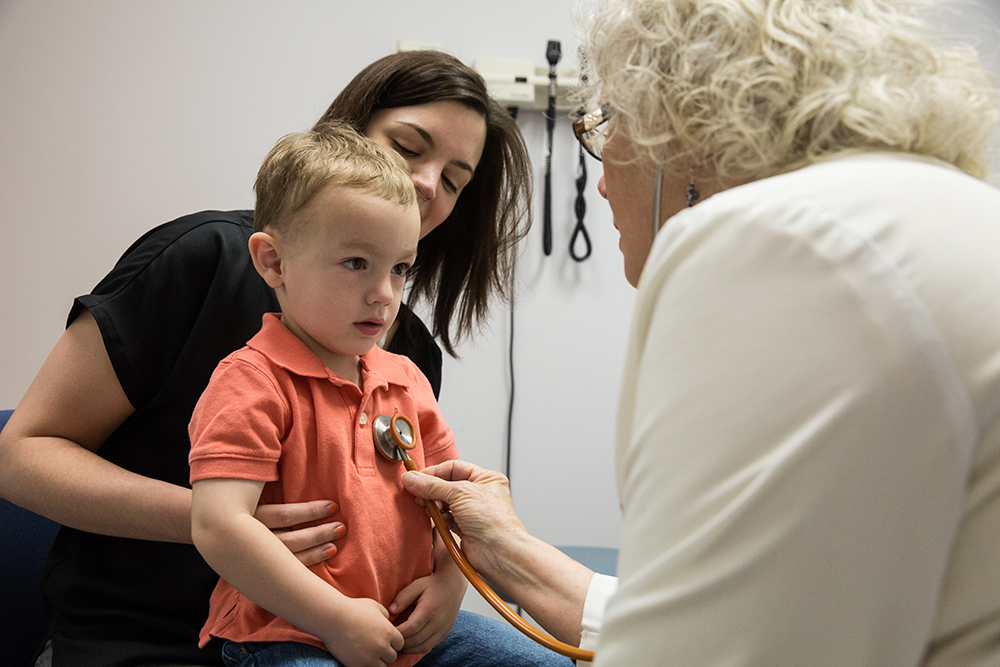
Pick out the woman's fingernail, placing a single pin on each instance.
(330, 552)
(340, 531)
(331, 509)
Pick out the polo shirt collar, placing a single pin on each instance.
(284, 348)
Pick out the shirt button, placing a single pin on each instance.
(363, 419)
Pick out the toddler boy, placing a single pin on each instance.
(289, 418)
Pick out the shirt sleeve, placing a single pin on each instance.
(238, 425)
(180, 299)
(602, 587)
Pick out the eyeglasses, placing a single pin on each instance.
(592, 130)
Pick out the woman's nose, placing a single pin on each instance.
(426, 184)
(601, 187)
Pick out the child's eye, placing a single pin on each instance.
(355, 263)
(401, 269)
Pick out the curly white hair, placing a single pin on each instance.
(752, 88)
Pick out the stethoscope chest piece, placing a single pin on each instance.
(393, 435)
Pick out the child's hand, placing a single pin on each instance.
(364, 637)
(438, 599)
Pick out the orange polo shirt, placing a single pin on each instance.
(273, 412)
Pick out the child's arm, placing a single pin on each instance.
(438, 597)
(250, 557)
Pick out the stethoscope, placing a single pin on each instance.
(394, 437)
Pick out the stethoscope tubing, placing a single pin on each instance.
(551, 643)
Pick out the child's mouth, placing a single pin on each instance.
(369, 327)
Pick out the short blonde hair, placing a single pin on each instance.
(752, 88)
(301, 164)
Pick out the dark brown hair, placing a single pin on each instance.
(470, 256)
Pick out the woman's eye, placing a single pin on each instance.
(451, 187)
(355, 263)
(403, 150)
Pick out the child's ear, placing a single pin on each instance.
(265, 251)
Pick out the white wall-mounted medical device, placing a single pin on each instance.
(518, 83)
(514, 83)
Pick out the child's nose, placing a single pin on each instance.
(381, 291)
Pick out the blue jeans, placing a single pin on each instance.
(475, 641)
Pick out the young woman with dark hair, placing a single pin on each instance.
(99, 442)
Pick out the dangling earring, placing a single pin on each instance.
(657, 192)
(692, 194)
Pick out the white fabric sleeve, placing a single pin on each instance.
(602, 587)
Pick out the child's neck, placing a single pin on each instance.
(347, 367)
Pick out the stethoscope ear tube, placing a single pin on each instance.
(396, 433)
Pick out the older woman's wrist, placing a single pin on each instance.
(506, 557)
(524, 562)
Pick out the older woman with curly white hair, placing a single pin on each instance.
(808, 450)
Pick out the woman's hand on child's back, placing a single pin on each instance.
(311, 544)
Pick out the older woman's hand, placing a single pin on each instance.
(545, 582)
(478, 507)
